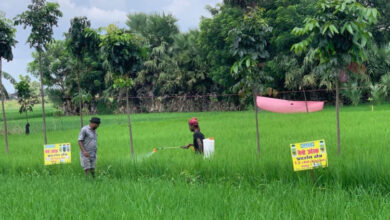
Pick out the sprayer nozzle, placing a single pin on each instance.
(154, 150)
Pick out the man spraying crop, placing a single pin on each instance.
(88, 146)
(198, 136)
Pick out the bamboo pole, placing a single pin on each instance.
(42, 96)
(338, 115)
(3, 109)
(129, 122)
(257, 122)
(80, 96)
(307, 107)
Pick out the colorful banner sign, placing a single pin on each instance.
(309, 155)
(57, 154)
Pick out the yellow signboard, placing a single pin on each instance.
(309, 155)
(57, 153)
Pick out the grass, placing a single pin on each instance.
(150, 198)
(176, 184)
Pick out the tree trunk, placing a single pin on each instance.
(338, 115)
(307, 107)
(42, 96)
(27, 131)
(3, 110)
(257, 122)
(79, 88)
(129, 122)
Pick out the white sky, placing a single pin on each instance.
(101, 13)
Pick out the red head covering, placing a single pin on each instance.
(193, 121)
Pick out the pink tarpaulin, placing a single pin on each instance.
(286, 106)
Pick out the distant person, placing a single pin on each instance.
(28, 128)
(198, 136)
(88, 146)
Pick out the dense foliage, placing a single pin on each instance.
(26, 96)
(244, 46)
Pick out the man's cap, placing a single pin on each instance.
(95, 120)
(193, 121)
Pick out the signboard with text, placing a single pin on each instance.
(57, 154)
(309, 155)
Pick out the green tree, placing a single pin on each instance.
(283, 16)
(377, 93)
(41, 16)
(380, 31)
(337, 36)
(297, 76)
(95, 74)
(159, 71)
(378, 61)
(174, 65)
(123, 53)
(215, 46)
(286, 69)
(7, 41)
(58, 75)
(26, 97)
(249, 43)
(156, 28)
(192, 78)
(10, 79)
(247, 4)
(78, 42)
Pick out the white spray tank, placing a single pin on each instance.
(208, 147)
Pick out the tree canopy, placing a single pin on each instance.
(7, 38)
(41, 16)
(242, 45)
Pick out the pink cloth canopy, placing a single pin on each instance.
(287, 106)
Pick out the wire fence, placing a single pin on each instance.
(116, 106)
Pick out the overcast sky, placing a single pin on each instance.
(101, 13)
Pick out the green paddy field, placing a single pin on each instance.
(176, 184)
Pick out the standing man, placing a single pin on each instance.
(198, 136)
(88, 146)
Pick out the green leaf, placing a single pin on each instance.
(363, 41)
(368, 13)
(333, 29)
(343, 6)
(310, 26)
(235, 68)
(349, 29)
(325, 28)
(296, 31)
(374, 12)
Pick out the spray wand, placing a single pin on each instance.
(166, 148)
